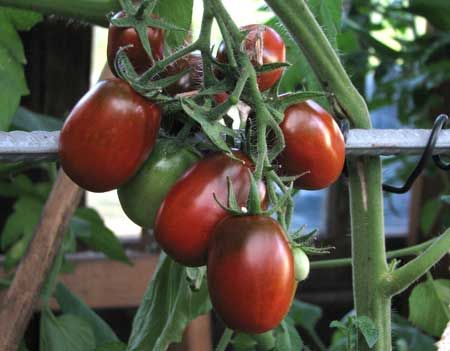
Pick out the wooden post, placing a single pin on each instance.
(20, 300)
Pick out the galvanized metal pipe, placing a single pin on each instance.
(43, 146)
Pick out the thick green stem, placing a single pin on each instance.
(307, 33)
(368, 248)
(397, 281)
(205, 44)
(93, 11)
(344, 262)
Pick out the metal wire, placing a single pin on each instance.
(439, 123)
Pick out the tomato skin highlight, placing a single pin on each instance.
(273, 50)
(123, 36)
(250, 269)
(107, 136)
(189, 213)
(143, 194)
(314, 144)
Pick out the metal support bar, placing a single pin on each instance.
(43, 146)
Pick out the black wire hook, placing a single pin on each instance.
(439, 123)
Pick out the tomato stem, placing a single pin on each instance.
(366, 200)
(344, 262)
(400, 279)
(92, 11)
(224, 340)
(309, 36)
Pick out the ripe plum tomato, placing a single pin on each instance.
(142, 195)
(189, 213)
(192, 80)
(251, 276)
(107, 136)
(314, 144)
(263, 45)
(123, 36)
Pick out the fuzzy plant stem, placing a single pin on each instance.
(366, 200)
(92, 11)
(345, 262)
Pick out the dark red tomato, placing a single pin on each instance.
(189, 213)
(108, 135)
(263, 45)
(251, 276)
(191, 81)
(314, 144)
(123, 36)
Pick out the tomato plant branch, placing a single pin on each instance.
(205, 43)
(93, 11)
(366, 200)
(224, 340)
(398, 280)
(344, 262)
(308, 34)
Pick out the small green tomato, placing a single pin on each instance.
(301, 263)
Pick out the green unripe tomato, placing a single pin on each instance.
(301, 264)
(142, 195)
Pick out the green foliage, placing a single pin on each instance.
(168, 306)
(18, 230)
(300, 73)
(71, 304)
(178, 12)
(116, 346)
(27, 120)
(12, 58)
(67, 332)
(91, 230)
(429, 214)
(410, 338)
(287, 337)
(429, 306)
(349, 328)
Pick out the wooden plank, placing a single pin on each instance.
(18, 303)
(102, 283)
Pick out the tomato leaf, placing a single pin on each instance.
(328, 14)
(178, 13)
(429, 306)
(116, 346)
(287, 337)
(90, 229)
(409, 337)
(168, 306)
(429, 214)
(71, 304)
(68, 332)
(212, 129)
(304, 314)
(18, 230)
(12, 58)
(243, 342)
(368, 329)
(28, 121)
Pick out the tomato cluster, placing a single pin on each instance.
(110, 141)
